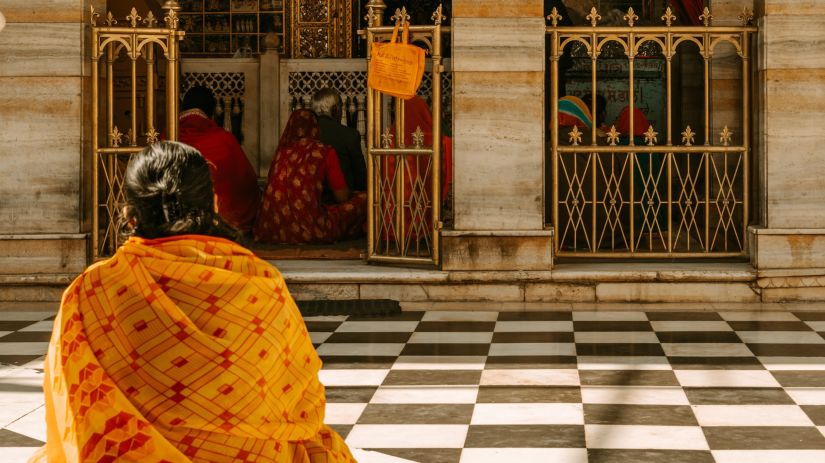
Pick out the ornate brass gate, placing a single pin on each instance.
(404, 182)
(616, 198)
(142, 41)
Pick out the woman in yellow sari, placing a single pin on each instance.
(183, 347)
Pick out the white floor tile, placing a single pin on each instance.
(691, 326)
(634, 395)
(447, 337)
(769, 456)
(343, 413)
(23, 348)
(793, 363)
(439, 362)
(781, 337)
(807, 395)
(425, 395)
(817, 326)
(622, 337)
(533, 348)
(377, 327)
(371, 456)
(375, 349)
(645, 437)
(352, 377)
(502, 455)
(759, 316)
(410, 436)
(31, 425)
(17, 454)
(3, 333)
(534, 326)
(593, 362)
(726, 378)
(709, 349)
(532, 413)
(318, 337)
(751, 415)
(596, 316)
(459, 316)
(45, 325)
(548, 377)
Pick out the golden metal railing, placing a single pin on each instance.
(656, 199)
(404, 187)
(140, 39)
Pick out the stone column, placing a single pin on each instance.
(43, 85)
(788, 246)
(498, 108)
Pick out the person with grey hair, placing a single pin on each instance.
(327, 106)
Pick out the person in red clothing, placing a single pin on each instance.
(235, 181)
(292, 210)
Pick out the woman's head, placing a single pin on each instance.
(302, 124)
(168, 192)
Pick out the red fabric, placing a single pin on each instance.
(688, 11)
(233, 178)
(640, 122)
(291, 210)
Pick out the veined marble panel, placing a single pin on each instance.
(498, 123)
(497, 9)
(40, 142)
(794, 40)
(794, 104)
(32, 49)
(48, 11)
(786, 7)
(498, 44)
(790, 251)
(456, 292)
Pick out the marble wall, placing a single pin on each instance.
(43, 87)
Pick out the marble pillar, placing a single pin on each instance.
(498, 107)
(788, 245)
(43, 98)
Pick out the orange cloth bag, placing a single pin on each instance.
(396, 68)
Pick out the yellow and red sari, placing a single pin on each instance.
(184, 349)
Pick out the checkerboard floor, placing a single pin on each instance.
(534, 387)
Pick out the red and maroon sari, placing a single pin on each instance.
(291, 211)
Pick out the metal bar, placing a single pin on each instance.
(650, 149)
(436, 145)
(631, 43)
(120, 150)
(746, 134)
(593, 156)
(567, 31)
(626, 255)
(150, 87)
(402, 151)
(172, 88)
(400, 165)
(554, 137)
(95, 142)
(371, 173)
(133, 114)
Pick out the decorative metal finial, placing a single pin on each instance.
(131, 138)
(688, 136)
(725, 136)
(418, 138)
(554, 17)
(151, 20)
(594, 17)
(746, 16)
(93, 16)
(152, 136)
(706, 17)
(650, 136)
(172, 20)
(386, 139)
(438, 16)
(110, 20)
(401, 15)
(613, 136)
(668, 17)
(171, 5)
(575, 136)
(115, 137)
(133, 17)
(375, 12)
(630, 17)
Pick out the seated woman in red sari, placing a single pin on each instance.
(292, 210)
(233, 177)
(184, 346)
